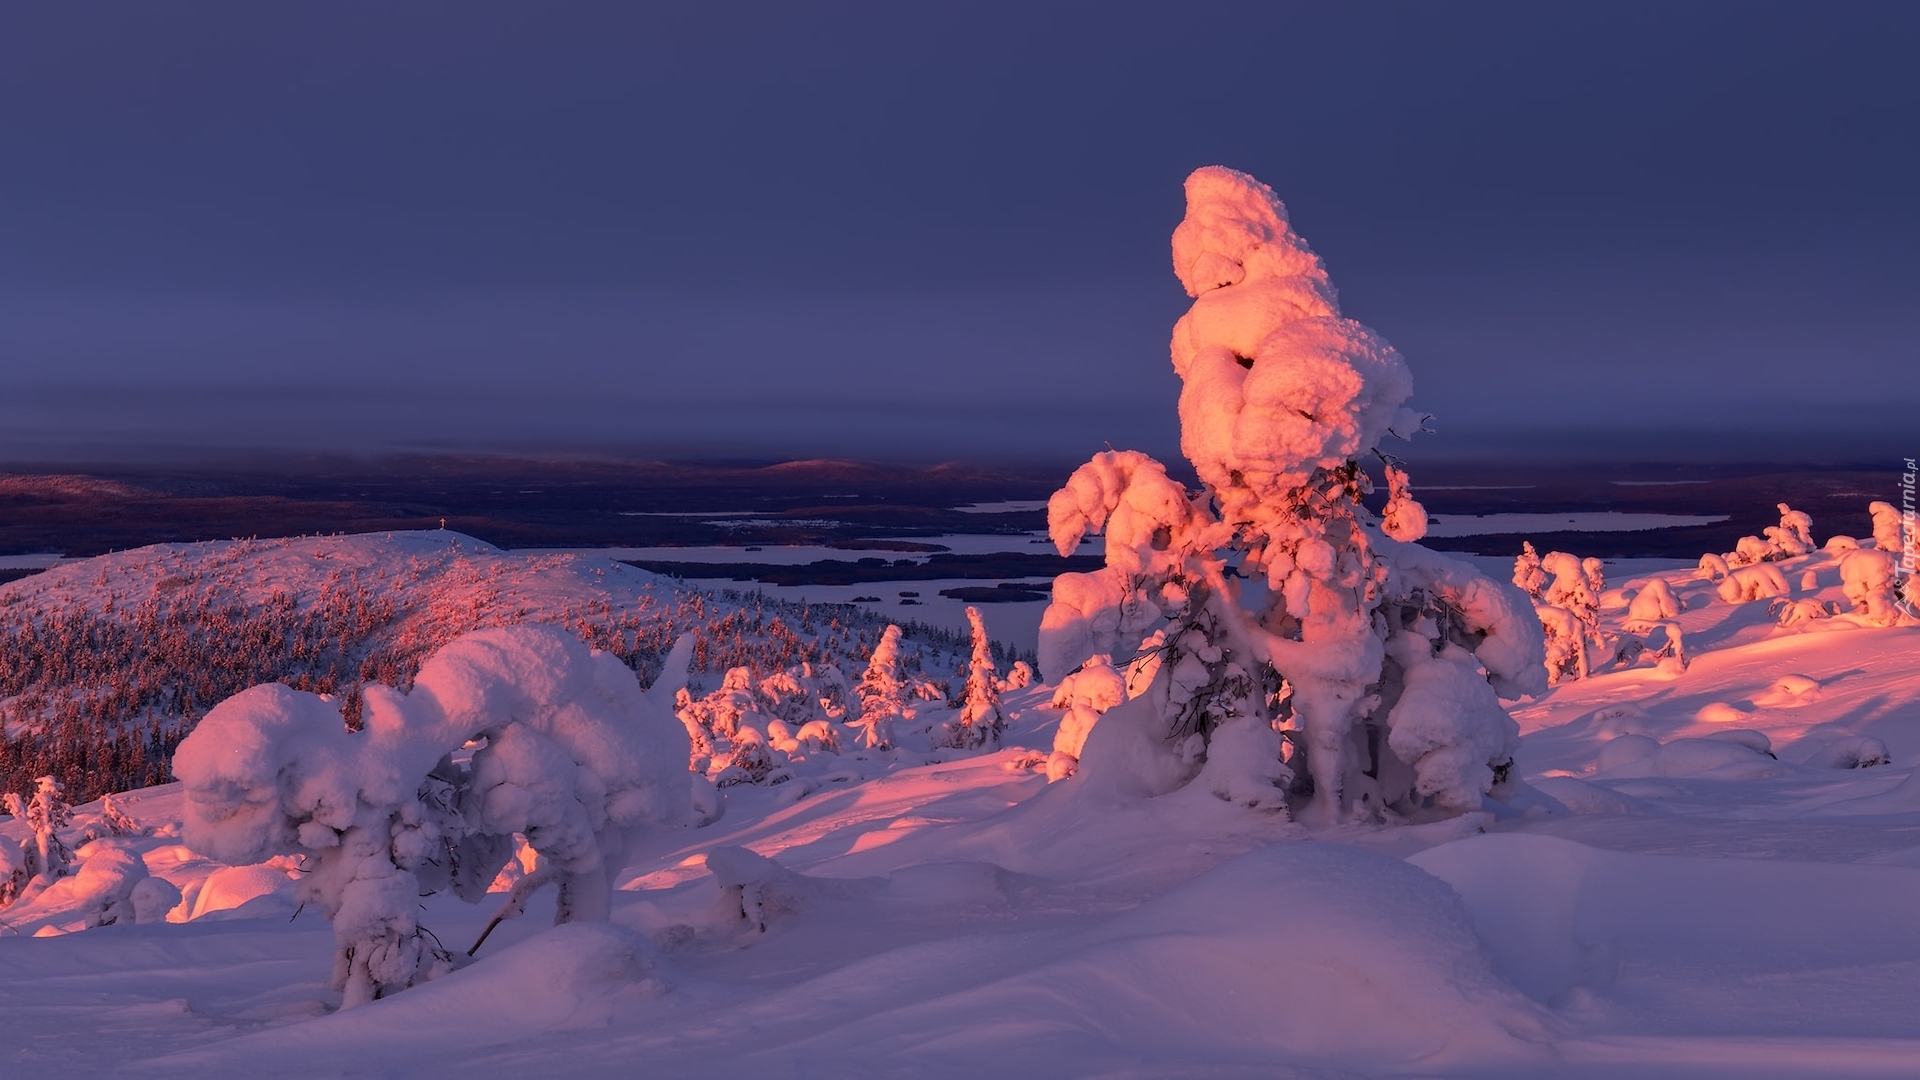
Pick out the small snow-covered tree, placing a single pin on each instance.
(1888, 528)
(1794, 535)
(566, 751)
(116, 819)
(1283, 601)
(1870, 577)
(1527, 572)
(1081, 697)
(46, 815)
(981, 722)
(881, 694)
(1652, 604)
(15, 871)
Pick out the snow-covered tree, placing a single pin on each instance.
(882, 696)
(1527, 572)
(1081, 697)
(1794, 535)
(1653, 603)
(1282, 600)
(1888, 529)
(568, 752)
(15, 872)
(1019, 677)
(116, 819)
(46, 814)
(981, 722)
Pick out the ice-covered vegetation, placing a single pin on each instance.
(1277, 601)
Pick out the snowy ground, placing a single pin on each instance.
(1699, 909)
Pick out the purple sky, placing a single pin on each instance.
(918, 231)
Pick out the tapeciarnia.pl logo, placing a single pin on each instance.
(1904, 570)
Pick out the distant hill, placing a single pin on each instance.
(107, 663)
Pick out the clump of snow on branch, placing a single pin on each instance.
(566, 750)
(1273, 600)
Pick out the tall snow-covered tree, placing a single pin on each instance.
(981, 723)
(1285, 604)
(882, 696)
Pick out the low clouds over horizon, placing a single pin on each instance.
(867, 230)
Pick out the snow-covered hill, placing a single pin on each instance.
(1670, 900)
(106, 663)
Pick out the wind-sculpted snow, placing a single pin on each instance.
(570, 754)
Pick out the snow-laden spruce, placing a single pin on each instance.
(566, 750)
(1283, 602)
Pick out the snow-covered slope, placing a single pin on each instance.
(106, 663)
(1670, 901)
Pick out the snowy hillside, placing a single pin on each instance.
(106, 663)
(1682, 906)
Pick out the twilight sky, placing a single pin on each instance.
(922, 231)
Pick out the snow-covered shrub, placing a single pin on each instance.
(116, 819)
(751, 760)
(567, 751)
(1565, 643)
(112, 885)
(1712, 567)
(882, 696)
(1527, 572)
(1281, 399)
(699, 736)
(1794, 535)
(1750, 551)
(1839, 545)
(1758, 581)
(1654, 602)
(1569, 614)
(748, 728)
(1019, 677)
(1887, 527)
(1596, 571)
(15, 871)
(1082, 697)
(981, 722)
(1849, 752)
(1869, 577)
(1799, 612)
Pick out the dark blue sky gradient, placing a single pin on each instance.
(922, 231)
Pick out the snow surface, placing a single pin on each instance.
(1719, 912)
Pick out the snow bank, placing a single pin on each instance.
(1554, 914)
(1374, 967)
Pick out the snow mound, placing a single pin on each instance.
(1554, 914)
(565, 978)
(1375, 966)
(1636, 756)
